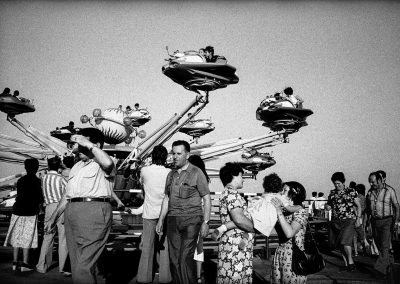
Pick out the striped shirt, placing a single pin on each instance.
(53, 186)
(381, 204)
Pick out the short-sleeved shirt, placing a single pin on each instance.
(153, 178)
(342, 203)
(381, 205)
(53, 186)
(185, 191)
(89, 180)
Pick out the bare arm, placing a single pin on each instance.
(163, 213)
(101, 157)
(49, 226)
(115, 197)
(288, 229)
(207, 212)
(293, 208)
(240, 220)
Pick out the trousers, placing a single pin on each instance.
(382, 236)
(87, 226)
(145, 270)
(46, 251)
(182, 232)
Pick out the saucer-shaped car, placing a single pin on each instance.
(191, 70)
(13, 105)
(254, 161)
(117, 125)
(197, 128)
(282, 115)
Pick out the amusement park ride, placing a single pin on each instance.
(190, 70)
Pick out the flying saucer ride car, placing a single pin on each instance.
(282, 115)
(191, 70)
(13, 104)
(197, 128)
(117, 125)
(254, 161)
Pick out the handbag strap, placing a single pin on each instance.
(312, 236)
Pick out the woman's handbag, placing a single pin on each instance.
(303, 264)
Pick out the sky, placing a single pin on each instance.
(341, 57)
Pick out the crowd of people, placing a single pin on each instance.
(176, 215)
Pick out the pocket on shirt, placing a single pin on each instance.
(88, 178)
(188, 191)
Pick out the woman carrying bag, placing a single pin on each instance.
(290, 227)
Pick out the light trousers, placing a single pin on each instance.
(145, 270)
(46, 252)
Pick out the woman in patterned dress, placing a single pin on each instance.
(289, 226)
(235, 250)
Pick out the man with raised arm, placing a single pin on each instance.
(88, 213)
(185, 188)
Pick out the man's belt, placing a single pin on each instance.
(382, 218)
(89, 199)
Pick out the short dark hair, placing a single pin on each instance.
(382, 174)
(227, 172)
(314, 193)
(353, 184)
(159, 155)
(288, 91)
(31, 165)
(68, 161)
(272, 183)
(183, 143)
(360, 188)
(94, 135)
(297, 192)
(54, 163)
(209, 48)
(197, 161)
(376, 175)
(338, 176)
(320, 194)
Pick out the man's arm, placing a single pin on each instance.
(207, 211)
(101, 157)
(49, 226)
(359, 217)
(163, 213)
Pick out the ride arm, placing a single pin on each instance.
(359, 217)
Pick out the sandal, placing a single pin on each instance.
(14, 265)
(26, 267)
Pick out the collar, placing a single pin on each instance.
(189, 168)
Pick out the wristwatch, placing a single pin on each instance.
(91, 147)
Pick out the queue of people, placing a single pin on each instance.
(176, 215)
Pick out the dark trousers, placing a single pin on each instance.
(382, 234)
(87, 226)
(182, 235)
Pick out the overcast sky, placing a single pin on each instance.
(341, 57)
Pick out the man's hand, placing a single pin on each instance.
(159, 227)
(204, 230)
(49, 226)
(277, 203)
(81, 140)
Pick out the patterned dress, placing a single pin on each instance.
(235, 250)
(282, 262)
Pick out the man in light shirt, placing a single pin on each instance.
(88, 212)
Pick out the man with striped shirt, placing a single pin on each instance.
(53, 186)
(382, 207)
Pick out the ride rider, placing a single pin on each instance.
(210, 57)
(295, 100)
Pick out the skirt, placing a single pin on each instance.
(23, 232)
